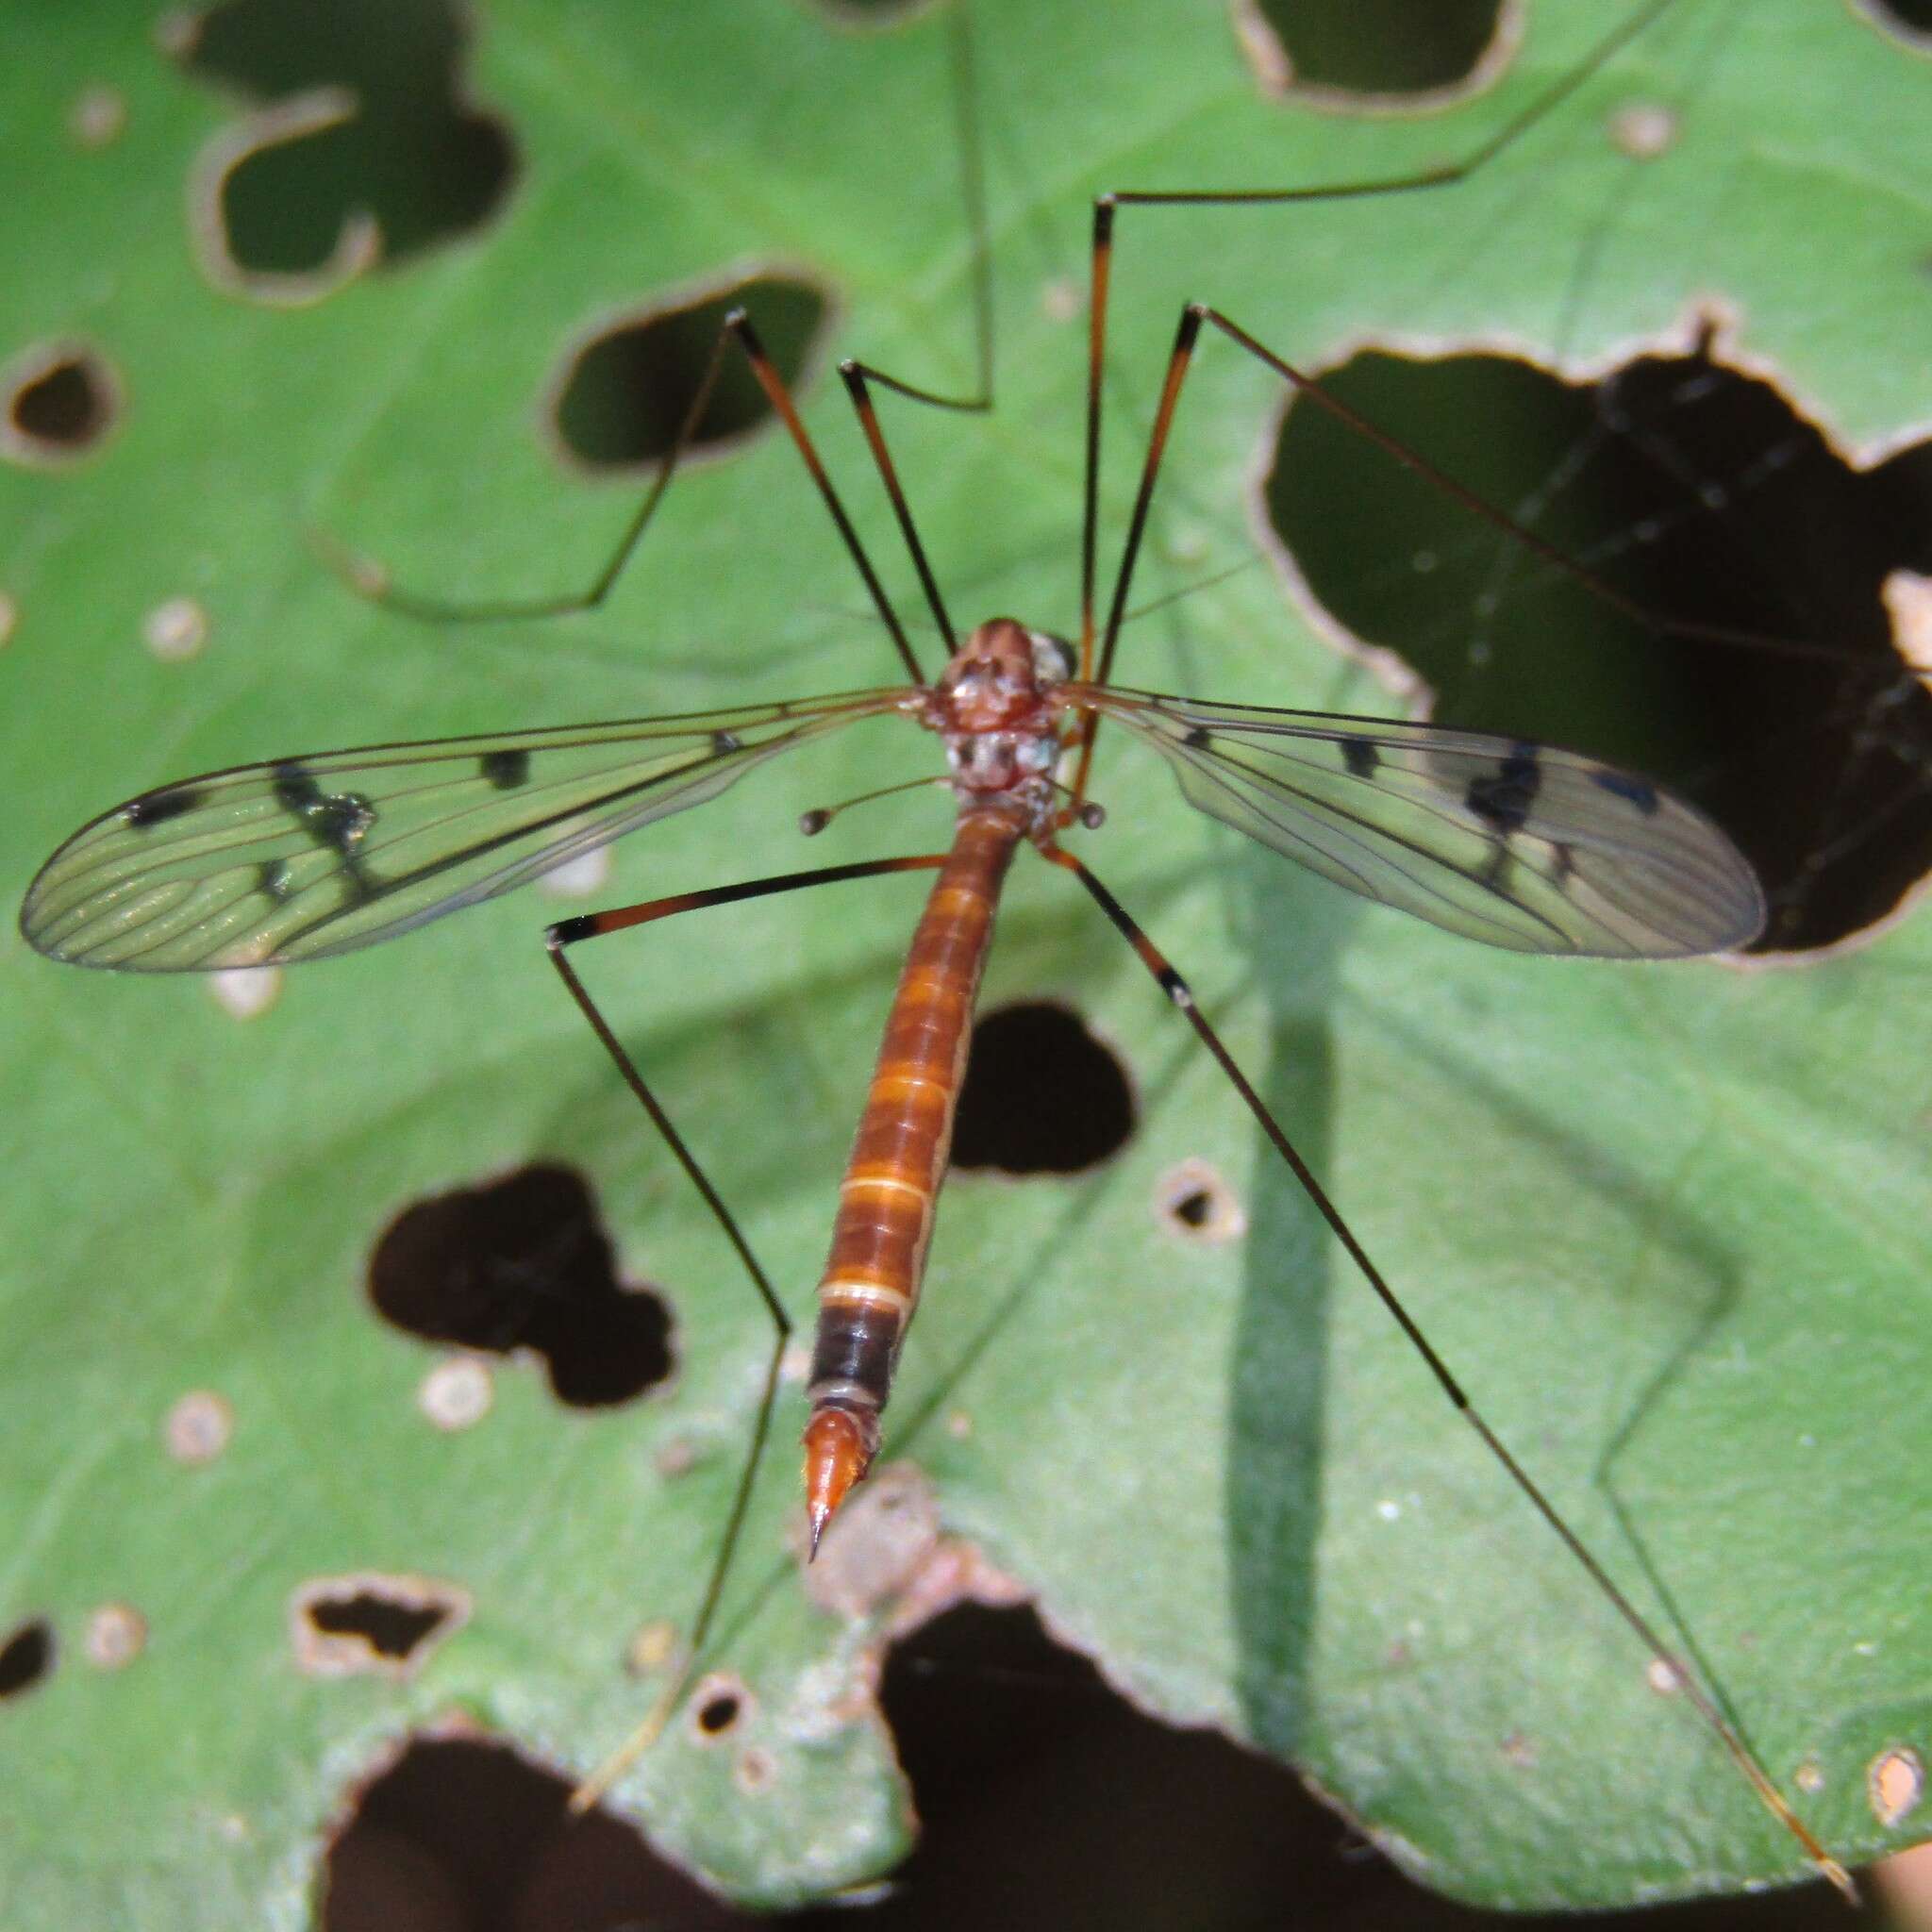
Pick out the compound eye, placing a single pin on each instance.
(1053, 657)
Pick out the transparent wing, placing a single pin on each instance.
(1516, 843)
(301, 857)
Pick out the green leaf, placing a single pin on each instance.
(1667, 1224)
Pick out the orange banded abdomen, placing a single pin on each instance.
(887, 1198)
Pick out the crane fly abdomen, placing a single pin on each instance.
(891, 1184)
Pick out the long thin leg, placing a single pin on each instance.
(854, 375)
(370, 580)
(1176, 989)
(1143, 498)
(973, 194)
(590, 925)
(858, 375)
(373, 584)
(1181, 358)
(1444, 174)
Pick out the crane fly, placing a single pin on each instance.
(1519, 844)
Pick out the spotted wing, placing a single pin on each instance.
(302, 857)
(1516, 843)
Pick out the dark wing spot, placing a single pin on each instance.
(341, 820)
(338, 821)
(505, 770)
(1198, 738)
(295, 787)
(722, 742)
(1639, 791)
(1562, 862)
(274, 880)
(1502, 798)
(1360, 755)
(157, 808)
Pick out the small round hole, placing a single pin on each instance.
(1196, 1204)
(720, 1703)
(717, 1714)
(61, 403)
(25, 1657)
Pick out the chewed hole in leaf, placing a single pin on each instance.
(977, 1692)
(988, 1713)
(1909, 21)
(718, 1705)
(626, 386)
(524, 1262)
(1041, 1094)
(1196, 1205)
(1374, 53)
(26, 1655)
(409, 156)
(372, 1623)
(1690, 491)
(391, 1630)
(1190, 1210)
(61, 402)
(470, 1834)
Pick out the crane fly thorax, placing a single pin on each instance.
(996, 705)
